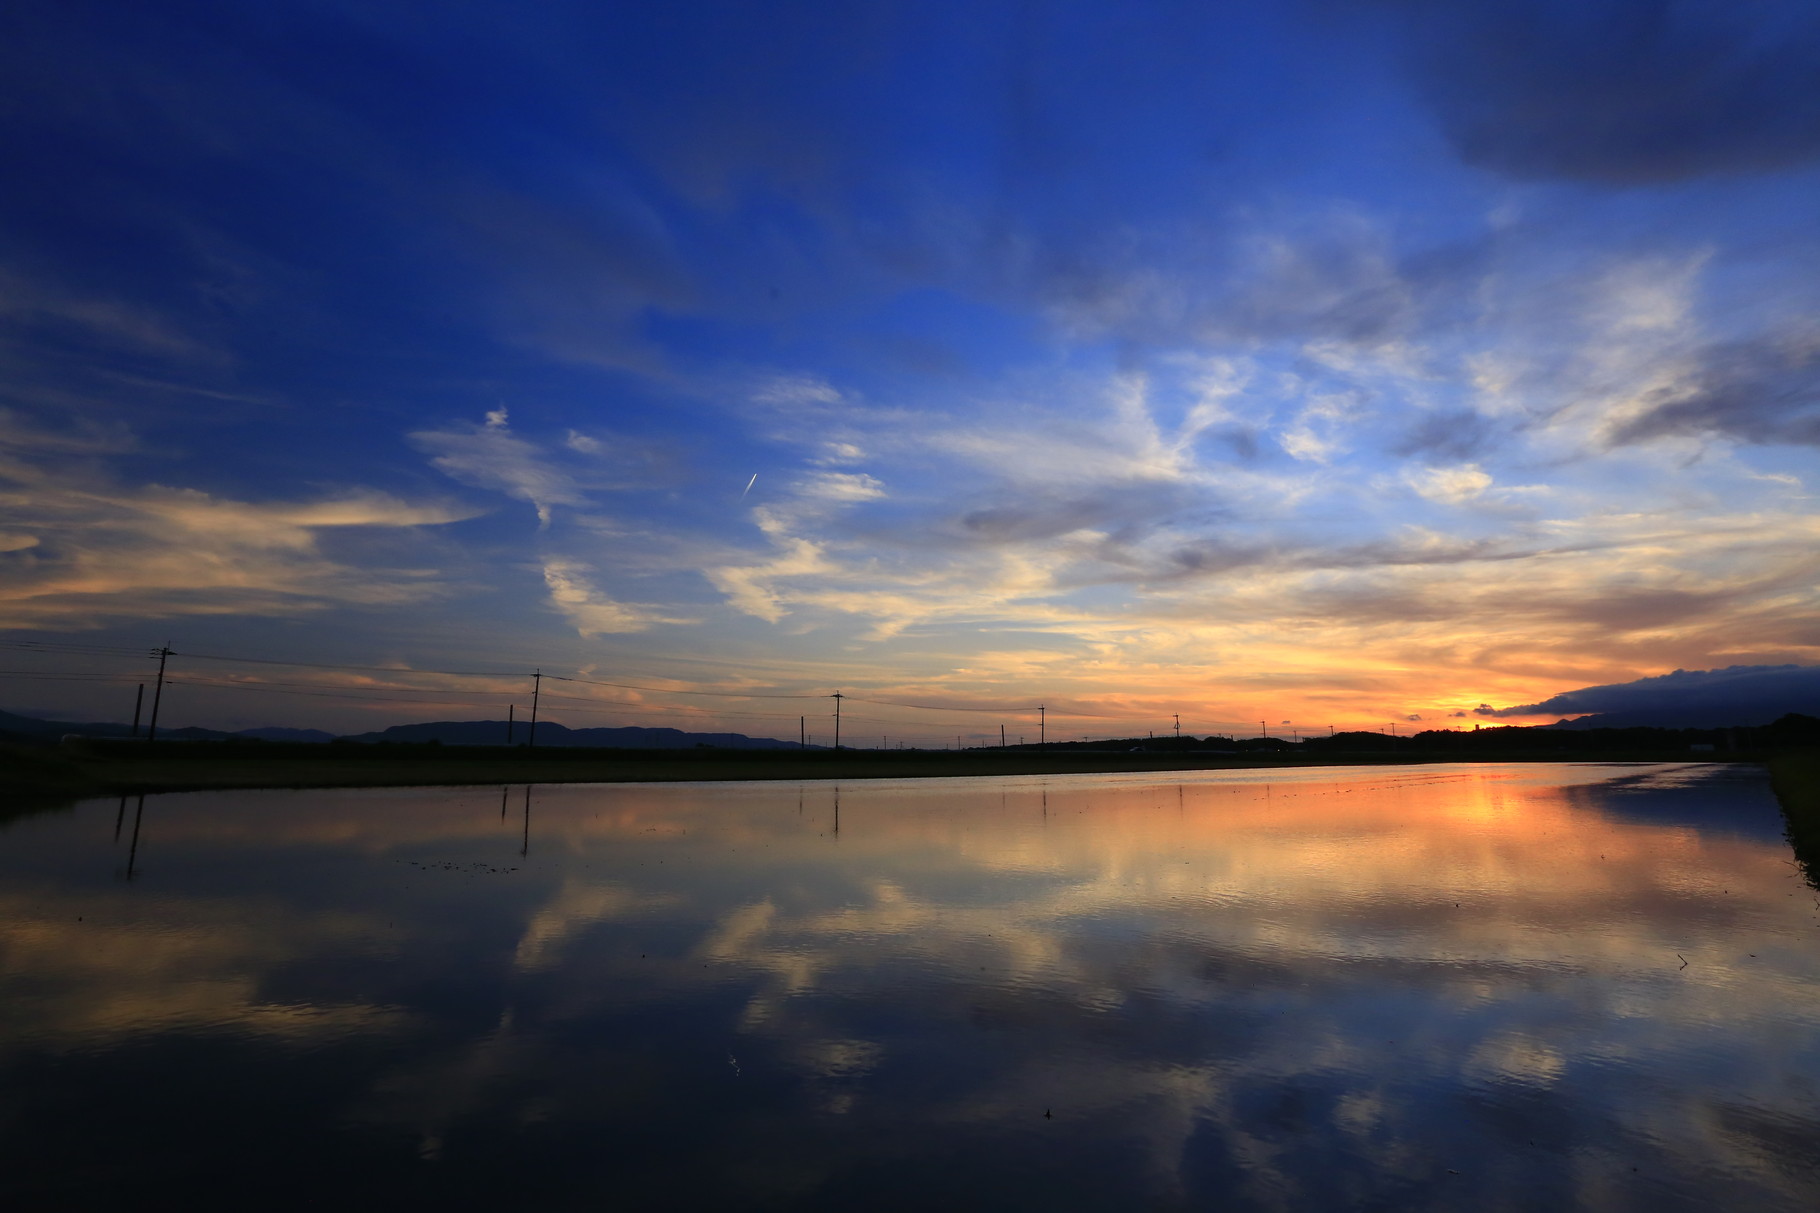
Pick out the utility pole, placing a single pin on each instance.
(802, 732)
(511, 712)
(137, 701)
(151, 732)
(1001, 737)
(536, 689)
(1178, 726)
(837, 698)
(1263, 728)
(1042, 731)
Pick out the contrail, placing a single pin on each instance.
(749, 485)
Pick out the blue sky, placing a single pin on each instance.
(1337, 362)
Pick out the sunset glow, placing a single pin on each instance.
(1284, 367)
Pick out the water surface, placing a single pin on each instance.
(1484, 987)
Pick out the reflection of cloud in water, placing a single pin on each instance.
(1294, 989)
(177, 965)
(575, 907)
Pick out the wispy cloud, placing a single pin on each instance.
(85, 550)
(593, 613)
(96, 320)
(490, 456)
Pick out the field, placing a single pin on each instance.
(98, 768)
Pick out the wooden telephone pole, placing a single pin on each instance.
(151, 731)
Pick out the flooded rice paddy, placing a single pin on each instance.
(1459, 987)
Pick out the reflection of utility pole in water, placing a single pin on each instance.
(119, 818)
(524, 850)
(132, 851)
(837, 812)
(503, 793)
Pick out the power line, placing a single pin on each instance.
(367, 669)
(197, 680)
(370, 696)
(55, 646)
(926, 707)
(247, 686)
(394, 694)
(626, 686)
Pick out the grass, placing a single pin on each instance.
(1796, 779)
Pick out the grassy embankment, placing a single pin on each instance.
(1796, 778)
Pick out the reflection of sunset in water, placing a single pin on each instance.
(1274, 989)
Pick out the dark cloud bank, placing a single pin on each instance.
(1742, 695)
(1629, 92)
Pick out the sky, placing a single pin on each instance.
(1308, 364)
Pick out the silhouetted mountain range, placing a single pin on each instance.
(448, 732)
(549, 733)
(31, 726)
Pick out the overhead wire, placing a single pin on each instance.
(65, 677)
(369, 669)
(243, 686)
(626, 686)
(78, 650)
(397, 694)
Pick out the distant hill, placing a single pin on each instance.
(449, 732)
(274, 733)
(549, 733)
(31, 726)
